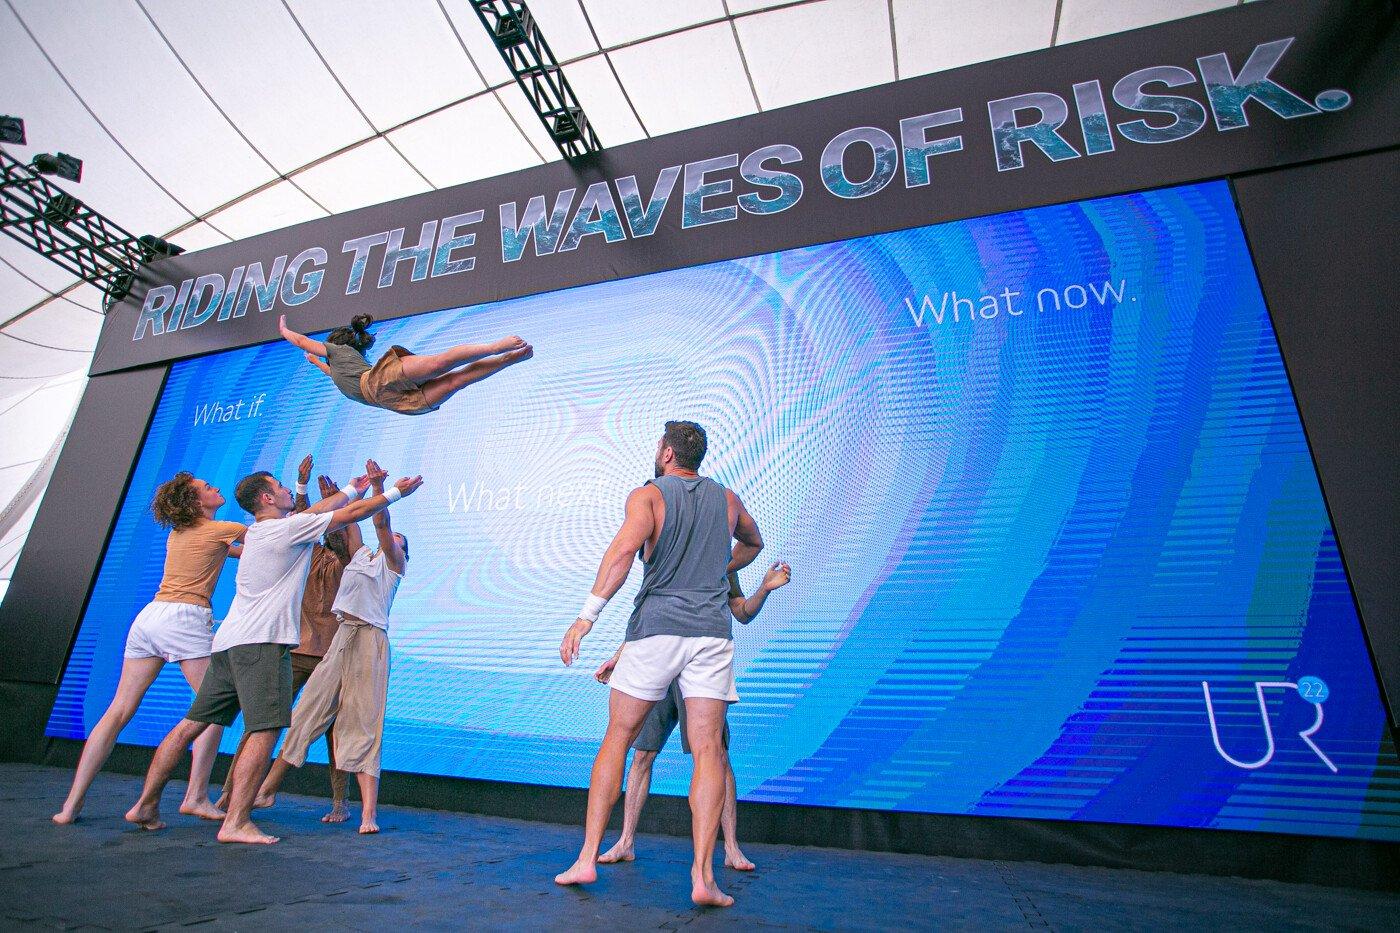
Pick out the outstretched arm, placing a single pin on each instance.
(747, 540)
(300, 341)
(359, 511)
(339, 499)
(388, 544)
(636, 528)
(301, 503)
(350, 537)
(746, 608)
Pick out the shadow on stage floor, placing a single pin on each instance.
(431, 869)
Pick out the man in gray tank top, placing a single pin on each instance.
(683, 525)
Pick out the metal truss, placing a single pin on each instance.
(537, 71)
(55, 224)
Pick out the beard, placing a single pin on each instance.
(660, 470)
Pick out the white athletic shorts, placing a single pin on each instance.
(704, 667)
(173, 631)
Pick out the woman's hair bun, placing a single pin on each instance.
(361, 322)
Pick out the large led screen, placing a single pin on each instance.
(1059, 549)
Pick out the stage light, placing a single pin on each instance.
(512, 28)
(12, 130)
(61, 209)
(63, 165)
(156, 248)
(567, 125)
(118, 287)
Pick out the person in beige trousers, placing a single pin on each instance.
(350, 686)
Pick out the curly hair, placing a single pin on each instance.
(176, 503)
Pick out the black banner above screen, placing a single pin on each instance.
(1258, 86)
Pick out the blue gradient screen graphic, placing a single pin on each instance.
(1059, 548)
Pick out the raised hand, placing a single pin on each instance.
(409, 485)
(568, 648)
(304, 470)
(377, 475)
(777, 576)
(328, 486)
(361, 483)
(282, 327)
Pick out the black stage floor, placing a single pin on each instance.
(437, 870)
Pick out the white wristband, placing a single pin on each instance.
(350, 491)
(393, 494)
(301, 489)
(592, 608)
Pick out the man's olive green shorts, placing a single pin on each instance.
(256, 679)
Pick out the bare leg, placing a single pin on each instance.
(267, 793)
(227, 789)
(729, 822)
(206, 748)
(625, 717)
(137, 676)
(238, 827)
(439, 390)
(638, 786)
(369, 802)
(424, 367)
(339, 813)
(705, 724)
(146, 813)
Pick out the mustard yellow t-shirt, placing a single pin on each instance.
(193, 558)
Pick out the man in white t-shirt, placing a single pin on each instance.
(350, 687)
(250, 668)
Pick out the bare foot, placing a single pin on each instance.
(202, 809)
(506, 344)
(736, 860)
(338, 814)
(147, 817)
(248, 833)
(618, 853)
(263, 801)
(580, 872)
(368, 826)
(67, 814)
(519, 355)
(709, 895)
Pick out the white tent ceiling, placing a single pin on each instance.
(206, 122)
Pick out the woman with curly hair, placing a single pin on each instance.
(177, 626)
(408, 383)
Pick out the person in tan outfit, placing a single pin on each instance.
(408, 383)
(176, 627)
(351, 686)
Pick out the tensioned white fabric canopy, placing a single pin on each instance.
(208, 122)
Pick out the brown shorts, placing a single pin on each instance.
(385, 386)
(302, 666)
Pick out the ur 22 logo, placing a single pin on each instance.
(1311, 689)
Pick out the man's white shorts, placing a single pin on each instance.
(173, 631)
(703, 666)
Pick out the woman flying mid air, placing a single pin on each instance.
(408, 383)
